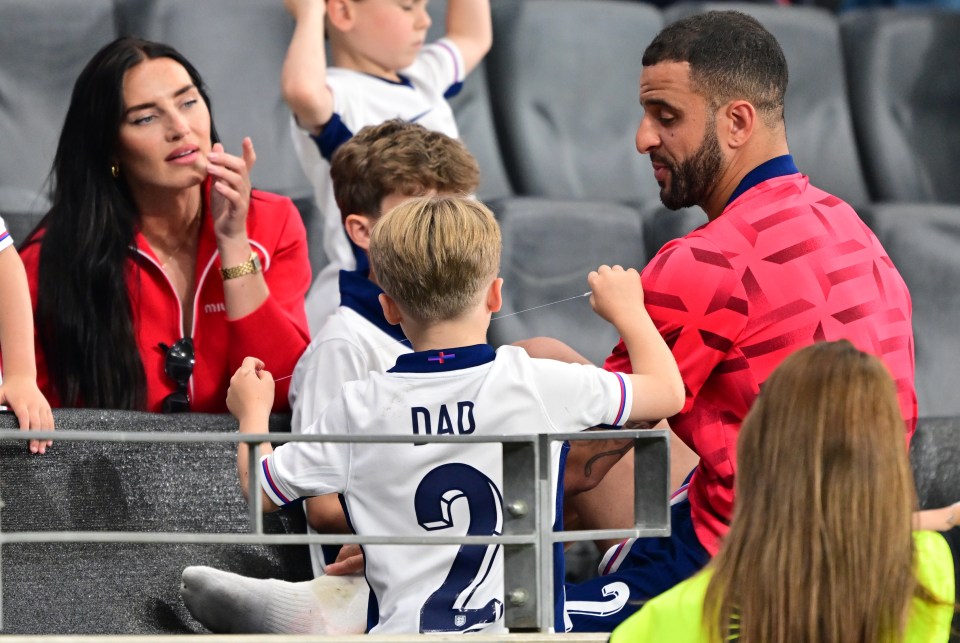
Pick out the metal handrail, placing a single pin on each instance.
(534, 557)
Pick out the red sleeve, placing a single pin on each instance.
(277, 331)
(699, 306)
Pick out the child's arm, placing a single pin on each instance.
(250, 398)
(657, 385)
(19, 389)
(942, 519)
(303, 80)
(469, 27)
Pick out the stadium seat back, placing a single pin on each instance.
(566, 77)
(44, 45)
(905, 96)
(923, 240)
(549, 248)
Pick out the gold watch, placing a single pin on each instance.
(250, 267)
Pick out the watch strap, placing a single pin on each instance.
(250, 267)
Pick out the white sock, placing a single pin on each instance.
(228, 603)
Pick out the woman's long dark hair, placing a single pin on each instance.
(84, 320)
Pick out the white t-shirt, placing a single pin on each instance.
(408, 489)
(5, 239)
(359, 100)
(355, 340)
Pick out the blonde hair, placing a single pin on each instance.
(435, 256)
(820, 547)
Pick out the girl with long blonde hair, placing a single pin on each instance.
(821, 547)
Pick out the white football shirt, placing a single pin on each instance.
(414, 489)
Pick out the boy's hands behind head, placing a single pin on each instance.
(250, 396)
(30, 406)
(617, 293)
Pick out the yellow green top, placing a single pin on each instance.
(677, 614)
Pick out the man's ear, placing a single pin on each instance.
(740, 117)
(495, 295)
(358, 227)
(391, 312)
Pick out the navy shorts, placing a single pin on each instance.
(634, 572)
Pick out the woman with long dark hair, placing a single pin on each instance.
(158, 268)
(821, 547)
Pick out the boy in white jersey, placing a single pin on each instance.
(437, 259)
(382, 166)
(18, 386)
(380, 70)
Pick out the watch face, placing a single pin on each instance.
(255, 259)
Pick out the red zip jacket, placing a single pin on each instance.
(276, 332)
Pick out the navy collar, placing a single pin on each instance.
(448, 359)
(778, 166)
(404, 81)
(360, 294)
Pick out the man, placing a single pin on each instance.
(779, 265)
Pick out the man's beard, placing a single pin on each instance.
(692, 179)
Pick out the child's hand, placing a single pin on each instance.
(30, 406)
(617, 293)
(297, 8)
(250, 395)
(349, 562)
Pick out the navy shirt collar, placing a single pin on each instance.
(779, 166)
(448, 359)
(360, 294)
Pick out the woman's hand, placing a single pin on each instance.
(230, 195)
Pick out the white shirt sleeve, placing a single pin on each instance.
(302, 469)
(319, 377)
(579, 396)
(5, 239)
(438, 66)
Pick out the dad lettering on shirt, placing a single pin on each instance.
(440, 420)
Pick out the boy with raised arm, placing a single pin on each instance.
(437, 260)
(381, 69)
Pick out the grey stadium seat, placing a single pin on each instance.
(43, 47)
(565, 92)
(923, 240)
(549, 247)
(819, 124)
(905, 97)
(661, 225)
(118, 588)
